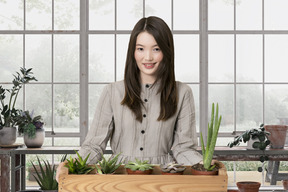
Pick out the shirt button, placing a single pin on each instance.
(147, 85)
(142, 131)
(145, 100)
(144, 115)
(141, 148)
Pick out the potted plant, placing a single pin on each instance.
(79, 166)
(45, 177)
(260, 138)
(8, 112)
(139, 167)
(172, 168)
(207, 153)
(31, 127)
(108, 166)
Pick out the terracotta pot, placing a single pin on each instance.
(167, 173)
(277, 136)
(285, 184)
(138, 172)
(197, 172)
(8, 135)
(248, 186)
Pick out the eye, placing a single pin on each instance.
(157, 49)
(139, 49)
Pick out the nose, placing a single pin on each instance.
(148, 56)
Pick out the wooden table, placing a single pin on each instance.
(18, 160)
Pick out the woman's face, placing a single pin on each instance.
(148, 57)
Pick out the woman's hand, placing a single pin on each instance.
(59, 170)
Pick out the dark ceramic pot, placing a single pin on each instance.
(248, 186)
(138, 172)
(285, 184)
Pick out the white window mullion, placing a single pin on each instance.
(203, 105)
(84, 91)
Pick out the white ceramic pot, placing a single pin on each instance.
(8, 135)
(250, 143)
(36, 142)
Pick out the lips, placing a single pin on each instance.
(149, 65)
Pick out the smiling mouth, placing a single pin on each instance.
(149, 65)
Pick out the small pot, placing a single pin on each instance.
(277, 135)
(285, 184)
(8, 135)
(248, 186)
(36, 142)
(168, 173)
(196, 170)
(138, 172)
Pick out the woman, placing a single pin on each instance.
(149, 115)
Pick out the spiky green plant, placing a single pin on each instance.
(45, 177)
(213, 128)
(138, 165)
(79, 166)
(108, 166)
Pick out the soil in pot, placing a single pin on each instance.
(248, 186)
(138, 172)
(285, 184)
(198, 169)
(277, 135)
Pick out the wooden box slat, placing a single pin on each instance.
(121, 182)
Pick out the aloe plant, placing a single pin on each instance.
(45, 177)
(79, 166)
(138, 165)
(213, 128)
(108, 166)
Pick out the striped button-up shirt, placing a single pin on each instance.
(150, 139)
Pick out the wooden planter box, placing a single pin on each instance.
(120, 182)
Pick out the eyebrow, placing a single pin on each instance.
(144, 46)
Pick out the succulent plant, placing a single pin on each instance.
(79, 166)
(108, 166)
(139, 165)
(172, 167)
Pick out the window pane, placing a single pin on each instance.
(159, 8)
(249, 15)
(101, 14)
(220, 15)
(38, 14)
(38, 56)
(66, 112)
(276, 103)
(66, 14)
(122, 46)
(11, 15)
(275, 14)
(276, 58)
(221, 58)
(224, 96)
(94, 95)
(66, 58)
(101, 58)
(66, 141)
(249, 58)
(187, 58)
(195, 90)
(128, 13)
(186, 9)
(41, 103)
(249, 107)
(11, 56)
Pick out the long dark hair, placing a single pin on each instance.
(165, 72)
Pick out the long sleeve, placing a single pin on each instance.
(185, 138)
(100, 129)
